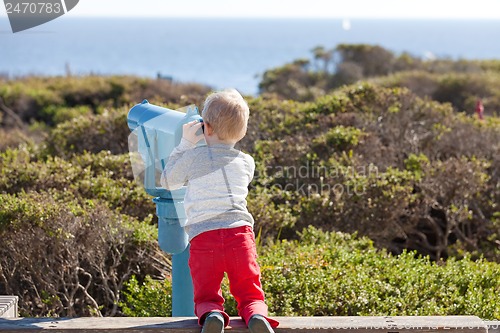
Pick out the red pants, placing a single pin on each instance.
(232, 251)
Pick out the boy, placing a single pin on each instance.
(219, 226)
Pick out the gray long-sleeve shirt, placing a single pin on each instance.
(217, 178)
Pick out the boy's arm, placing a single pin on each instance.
(251, 168)
(175, 174)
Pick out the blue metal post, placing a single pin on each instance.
(182, 286)
(173, 239)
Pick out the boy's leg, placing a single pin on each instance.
(244, 276)
(207, 272)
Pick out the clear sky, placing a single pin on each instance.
(472, 9)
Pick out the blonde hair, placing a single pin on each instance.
(227, 113)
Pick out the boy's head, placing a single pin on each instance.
(226, 112)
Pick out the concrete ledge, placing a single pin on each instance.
(452, 324)
(493, 326)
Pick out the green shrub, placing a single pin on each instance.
(36, 98)
(337, 139)
(459, 82)
(94, 133)
(374, 162)
(331, 103)
(272, 211)
(293, 81)
(337, 274)
(151, 298)
(52, 115)
(358, 199)
(272, 119)
(416, 163)
(27, 97)
(63, 258)
(410, 173)
(102, 176)
(462, 90)
(301, 81)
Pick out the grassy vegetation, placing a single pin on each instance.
(390, 158)
(337, 274)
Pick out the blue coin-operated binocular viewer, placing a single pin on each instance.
(156, 131)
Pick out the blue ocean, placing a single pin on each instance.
(223, 52)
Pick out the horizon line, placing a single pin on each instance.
(280, 17)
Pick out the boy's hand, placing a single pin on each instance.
(189, 131)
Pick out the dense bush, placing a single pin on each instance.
(336, 274)
(107, 131)
(103, 176)
(10, 138)
(333, 274)
(53, 99)
(381, 162)
(151, 298)
(460, 82)
(462, 90)
(293, 81)
(408, 172)
(66, 259)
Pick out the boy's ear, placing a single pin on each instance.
(208, 129)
